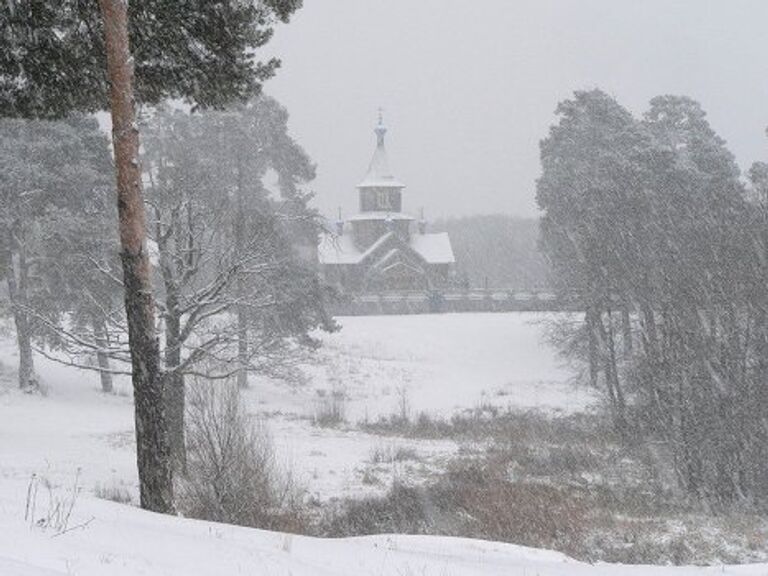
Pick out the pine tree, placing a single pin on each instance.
(53, 178)
(651, 216)
(590, 188)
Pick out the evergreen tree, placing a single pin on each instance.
(591, 190)
(649, 218)
(54, 178)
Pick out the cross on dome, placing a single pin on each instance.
(380, 129)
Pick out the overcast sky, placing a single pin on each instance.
(469, 87)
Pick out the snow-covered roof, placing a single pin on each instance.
(433, 248)
(380, 183)
(379, 175)
(375, 246)
(334, 249)
(384, 260)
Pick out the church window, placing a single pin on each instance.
(382, 200)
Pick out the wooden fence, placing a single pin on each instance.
(432, 302)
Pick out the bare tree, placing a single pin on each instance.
(235, 297)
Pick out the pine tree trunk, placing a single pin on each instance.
(606, 338)
(18, 293)
(650, 333)
(175, 396)
(242, 348)
(242, 313)
(612, 374)
(27, 378)
(100, 335)
(656, 381)
(626, 330)
(592, 337)
(152, 449)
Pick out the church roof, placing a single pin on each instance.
(434, 248)
(379, 175)
(334, 249)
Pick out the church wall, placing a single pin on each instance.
(351, 278)
(346, 277)
(440, 275)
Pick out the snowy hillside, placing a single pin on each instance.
(123, 541)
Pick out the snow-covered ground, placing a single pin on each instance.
(446, 362)
(438, 364)
(124, 541)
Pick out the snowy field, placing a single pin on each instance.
(380, 366)
(439, 364)
(436, 364)
(446, 362)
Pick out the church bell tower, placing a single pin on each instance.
(381, 198)
(379, 191)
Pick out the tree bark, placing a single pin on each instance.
(152, 449)
(650, 333)
(612, 381)
(612, 374)
(27, 378)
(592, 337)
(175, 396)
(102, 359)
(242, 313)
(17, 290)
(626, 329)
(242, 348)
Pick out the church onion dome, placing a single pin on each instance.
(379, 174)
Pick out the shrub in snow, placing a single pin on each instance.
(330, 409)
(49, 507)
(114, 492)
(231, 473)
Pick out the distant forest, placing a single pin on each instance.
(499, 250)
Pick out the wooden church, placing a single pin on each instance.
(381, 247)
